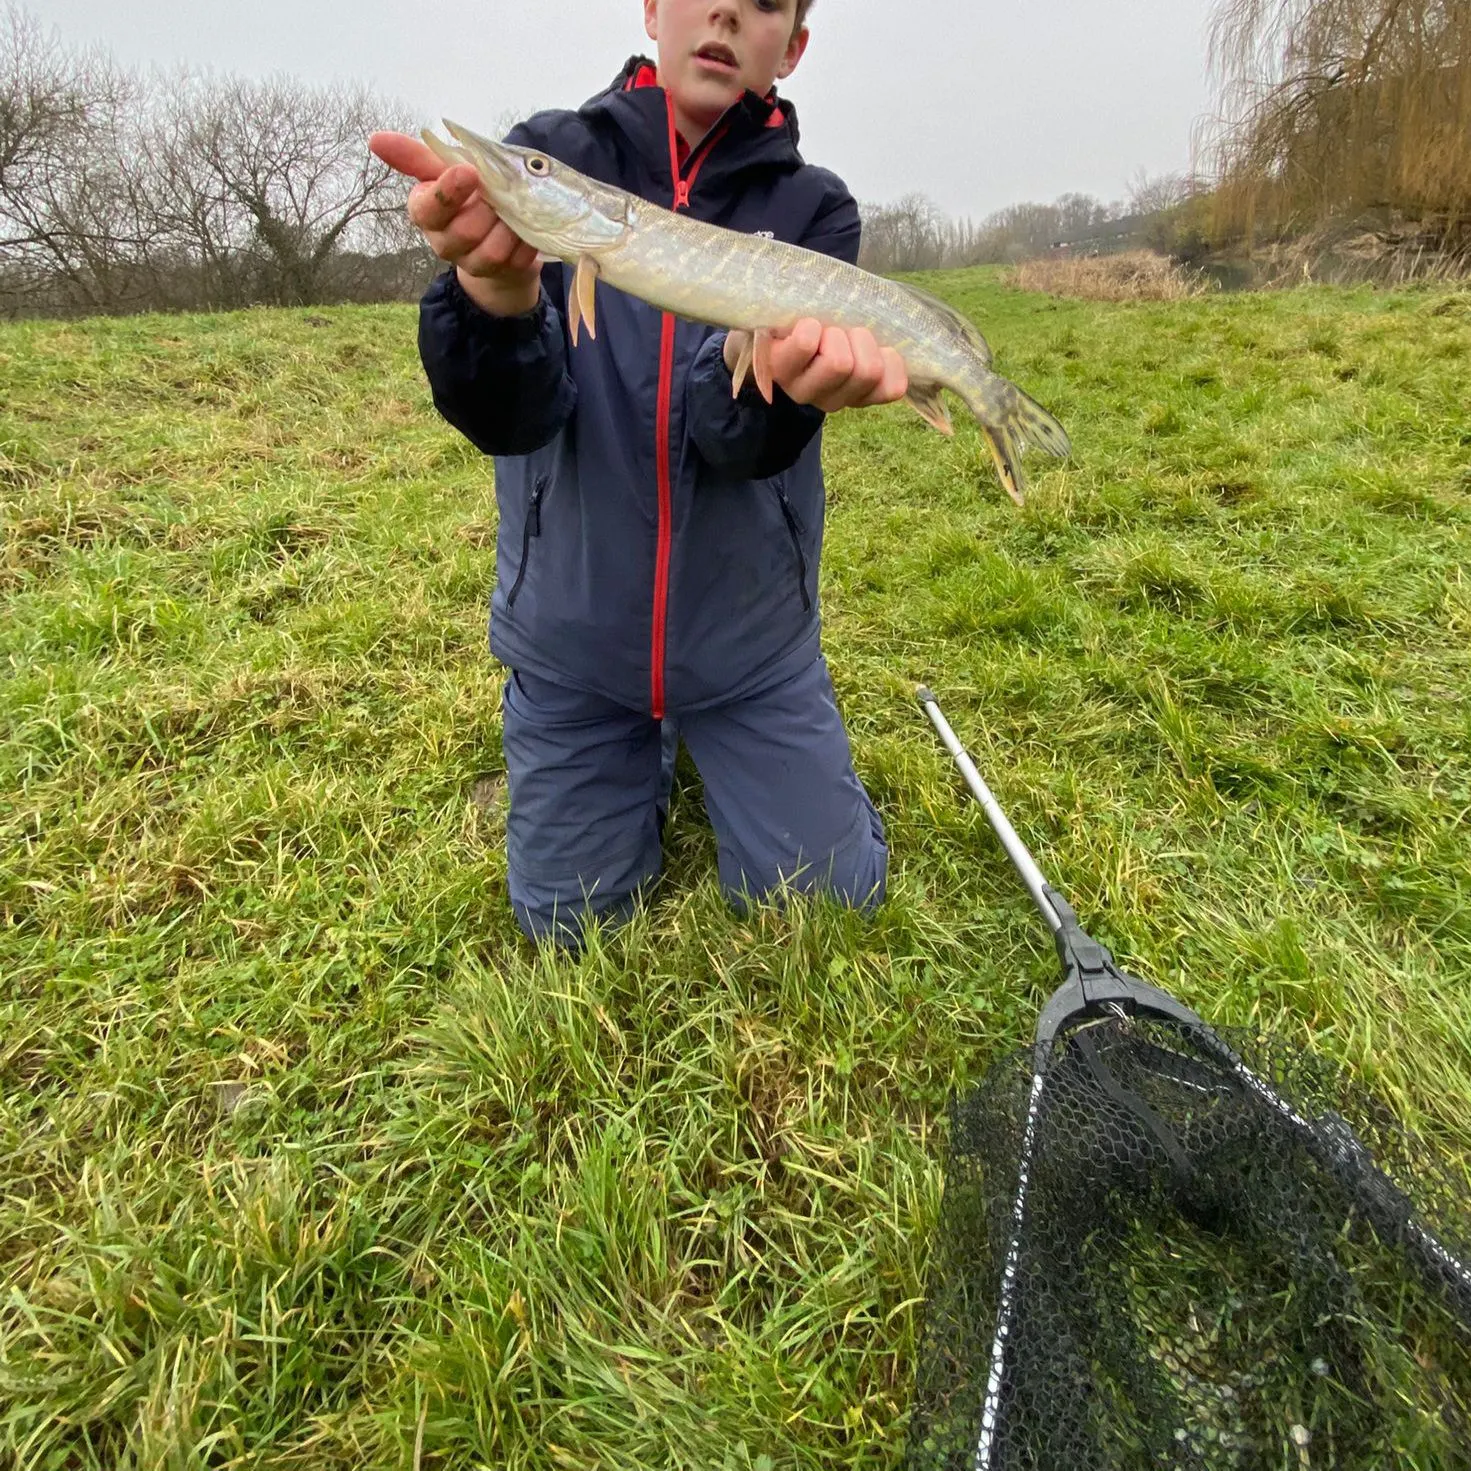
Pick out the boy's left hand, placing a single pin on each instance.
(833, 368)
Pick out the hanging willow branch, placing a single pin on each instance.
(1334, 107)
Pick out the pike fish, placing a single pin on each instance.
(749, 283)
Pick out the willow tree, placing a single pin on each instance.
(1335, 107)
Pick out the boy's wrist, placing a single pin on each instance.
(501, 298)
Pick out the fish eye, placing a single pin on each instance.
(536, 164)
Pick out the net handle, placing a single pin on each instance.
(1092, 983)
(1016, 850)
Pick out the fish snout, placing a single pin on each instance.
(498, 164)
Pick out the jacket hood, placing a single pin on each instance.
(759, 131)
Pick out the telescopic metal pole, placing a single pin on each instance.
(1016, 850)
(988, 1433)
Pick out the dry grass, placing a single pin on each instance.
(1382, 252)
(1132, 275)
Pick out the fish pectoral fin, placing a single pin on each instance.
(925, 400)
(761, 361)
(580, 298)
(743, 363)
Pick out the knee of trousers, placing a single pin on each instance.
(854, 872)
(549, 909)
(565, 925)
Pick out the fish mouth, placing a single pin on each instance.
(718, 53)
(497, 164)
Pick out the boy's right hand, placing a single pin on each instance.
(497, 269)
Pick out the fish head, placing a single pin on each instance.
(549, 205)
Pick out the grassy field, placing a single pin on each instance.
(310, 1161)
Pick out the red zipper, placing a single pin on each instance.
(682, 187)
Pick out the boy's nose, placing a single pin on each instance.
(726, 11)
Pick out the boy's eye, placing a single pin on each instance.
(770, 6)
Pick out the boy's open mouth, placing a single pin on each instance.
(715, 54)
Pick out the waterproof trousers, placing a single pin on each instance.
(588, 780)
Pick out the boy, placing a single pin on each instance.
(659, 539)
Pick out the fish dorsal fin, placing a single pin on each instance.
(960, 322)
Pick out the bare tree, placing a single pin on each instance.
(71, 222)
(1022, 230)
(188, 191)
(1152, 194)
(270, 185)
(1078, 213)
(905, 236)
(913, 234)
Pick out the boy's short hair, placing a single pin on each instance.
(803, 6)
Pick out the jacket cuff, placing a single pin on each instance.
(522, 330)
(744, 436)
(501, 381)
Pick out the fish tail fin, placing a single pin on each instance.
(1011, 420)
(1037, 426)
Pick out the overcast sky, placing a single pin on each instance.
(974, 103)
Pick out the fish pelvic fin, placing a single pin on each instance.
(580, 297)
(925, 400)
(1005, 452)
(761, 361)
(753, 357)
(743, 363)
(1010, 420)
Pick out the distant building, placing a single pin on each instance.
(1109, 238)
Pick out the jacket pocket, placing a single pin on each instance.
(794, 530)
(531, 528)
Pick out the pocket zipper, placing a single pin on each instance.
(531, 528)
(795, 531)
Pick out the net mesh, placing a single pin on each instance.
(1199, 1277)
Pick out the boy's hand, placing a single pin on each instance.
(496, 267)
(831, 367)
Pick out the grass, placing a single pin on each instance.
(310, 1160)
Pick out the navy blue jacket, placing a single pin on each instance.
(658, 540)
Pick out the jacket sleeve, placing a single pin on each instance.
(503, 382)
(745, 437)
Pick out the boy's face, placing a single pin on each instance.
(711, 51)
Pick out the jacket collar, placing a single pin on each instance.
(758, 131)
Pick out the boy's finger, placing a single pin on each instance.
(895, 382)
(891, 384)
(497, 252)
(407, 155)
(836, 355)
(433, 205)
(524, 258)
(868, 361)
(827, 379)
(467, 232)
(817, 384)
(792, 353)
